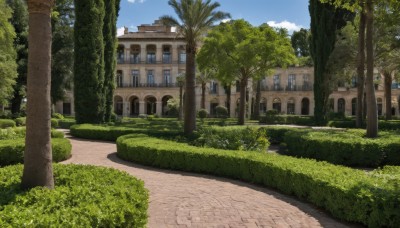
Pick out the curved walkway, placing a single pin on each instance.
(179, 199)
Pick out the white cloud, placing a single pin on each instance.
(226, 20)
(285, 24)
(120, 31)
(136, 1)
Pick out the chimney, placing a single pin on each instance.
(126, 31)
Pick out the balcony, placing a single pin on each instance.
(135, 60)
(147, 85)
(121, 60)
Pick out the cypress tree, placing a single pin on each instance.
(326, 20)
(89, 61)
(110, 43)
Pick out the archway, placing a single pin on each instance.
(277, 105)
(341, 105)
(213, 107)
(135, 106)
(118, 105)
(291, 106)
(379, 102)
(305, 106)
(165, 109)
(151, 107)
(354, 106)
(263, 105)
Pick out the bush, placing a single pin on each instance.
(85, 196)
(233, 138)
(21, 121)
(222, 112)
(349, 194)
(58, 116)
(12, 151)
(111, 133)
(272, 118)
(6, 123)
(348, 148)
(54, 123)
(385, 125)
(66, 123)
(12, 133)
(275, 134)
(202, 114)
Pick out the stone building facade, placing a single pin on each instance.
(150, 60)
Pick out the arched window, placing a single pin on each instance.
(291, 106)
(276, 104)
(151, 105)
(135, 107)
(341, 105)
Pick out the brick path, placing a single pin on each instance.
(179, 199)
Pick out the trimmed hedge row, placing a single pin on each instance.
(21, 121)
(12, 151)
(386, 125)
(351, 195)
(348, 148)
(111, 133)
(6, 123)
(85, 196)
(288, 119)
(66, 123)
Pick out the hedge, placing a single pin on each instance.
(386, 125)
(348, 148)
(21, 121)
(12, 151)
(84, 196)
(348, 194)
(287, 119)
(20, 132)
(111, 133)
(6, 123)
(66, 123)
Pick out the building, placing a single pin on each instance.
(150, 60)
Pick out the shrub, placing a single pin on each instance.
(344, 147)
(6, 123)
(348, 194)
(272, 118)
(58, 116)
(66, 123)
(12, 151)
(386, 125)
(275, 134)
(85, 196)
(202, 113)
(222, 112)
(54, 123)
(20, 121)
(233, 138)
(342, 124)
(12, 133)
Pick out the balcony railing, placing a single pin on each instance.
(148, 85)
(287, 88)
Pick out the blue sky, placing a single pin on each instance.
(291, 14)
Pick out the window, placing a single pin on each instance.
(354, 82)
(306, 82)
(135, 55)
(182, 57)
(120, 55)
(341, 105)
(167, 77)
(292, 82)
(213, 87)
(135, 78)
(277, 82)
(150, 77)
(120, 79)
(291, 107)
(276, 105)
(166, 55)
(151, 57)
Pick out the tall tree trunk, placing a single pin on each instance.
(203, 95)
(372, 114)
(180, 103)
(190, 99)
(38, 169)
(228, 98)
(361, 69)
(242, 105)
(388, 94)
(257, 101)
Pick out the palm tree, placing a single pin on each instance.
(38, 170)
(195, 18)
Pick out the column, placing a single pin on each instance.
(127, 55)
(159, 108)
(284, 105)
(143, 53)
(159, 51)
(125, 109)
(297, 103)
(142, 107)
(175, 53)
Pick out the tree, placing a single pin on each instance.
(195, 18)
(181, 82)
(38, 170)
(204, 77)
(326, 20)
(301, 44)
(62, 21)
(89, 61)
(20, 22)
(8, 66)
(241, 51)
(110, 47)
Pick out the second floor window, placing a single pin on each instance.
(150, 77)
(277, 82)
(166, 55)
(182, 57)
(167, 77)
(292, 82)
(135, 78)
(354, 82)
(213, 87)
(120, 55)
(151, 57)
(120, 79)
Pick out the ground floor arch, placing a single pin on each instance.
(164, 105)
(277, 105)
(118, 105)
(305, 106)
(151, 105)
(134, 106)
